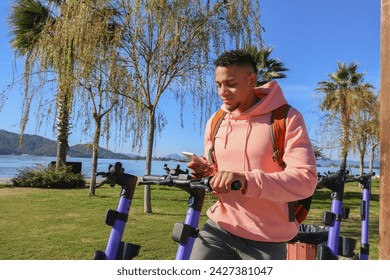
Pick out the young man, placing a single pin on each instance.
(252, 223)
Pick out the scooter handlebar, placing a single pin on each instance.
(335, 180)
(359, 178)
(184, 181)
(236, 186)
(103, 174)
(153, 178)
(204, 183)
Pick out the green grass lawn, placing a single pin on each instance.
(46, 224)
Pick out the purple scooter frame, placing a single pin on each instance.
(116, 249)
(364, 182)
(184, 249)
(185, 233)
(191, 222)
(365, 214)
(335, 182)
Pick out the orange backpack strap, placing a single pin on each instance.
(215, 123)
(278, 132)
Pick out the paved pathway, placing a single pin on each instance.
(5, 181)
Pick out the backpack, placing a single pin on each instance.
(298, 210)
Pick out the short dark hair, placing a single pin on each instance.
(235, 57)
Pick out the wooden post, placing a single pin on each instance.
(384, 200)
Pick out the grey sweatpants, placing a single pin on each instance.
(214, 243)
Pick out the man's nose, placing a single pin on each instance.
(223, 91)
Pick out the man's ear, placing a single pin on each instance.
(253, 79)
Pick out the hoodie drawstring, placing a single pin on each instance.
(248, 131)
(228, 130)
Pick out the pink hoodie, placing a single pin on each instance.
(243, 144)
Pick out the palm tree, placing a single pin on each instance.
(27, 21)
(343, 90)
(30, 20)
(269, 68)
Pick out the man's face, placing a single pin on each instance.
(235, 87)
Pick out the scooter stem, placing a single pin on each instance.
(364, 246)
(128, 183)
(334, 228)
(184, 250)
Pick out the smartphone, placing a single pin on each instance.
(191, 156)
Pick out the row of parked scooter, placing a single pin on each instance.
(331, 245)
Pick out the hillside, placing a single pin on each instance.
(40, 146)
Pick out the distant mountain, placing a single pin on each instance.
(40, 146)
(174, 156)
(131, 155)
(32, 144)
(83, 150)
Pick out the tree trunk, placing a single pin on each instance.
(344, 152)
(344, 134)
(361, 160)
(372, 157)
(384, 193)
(64, 103)
(95, 155)
(149, 156)
(62, 128)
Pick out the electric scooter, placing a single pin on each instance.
(185, 233)
(337, 245)
(117, 249)
(365, 183)
(334, 182)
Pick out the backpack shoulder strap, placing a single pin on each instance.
(215, 124)
(278, 132)
(278, 135)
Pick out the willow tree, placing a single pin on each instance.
(167, 47)
(98, 76)
(342, 91)
(365, 127)
(374, 135)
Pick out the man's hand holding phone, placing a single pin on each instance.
(200, 165)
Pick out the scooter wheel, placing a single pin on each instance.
(99, 255)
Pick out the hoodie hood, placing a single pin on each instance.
(271, 97)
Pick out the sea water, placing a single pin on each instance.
(10, 165)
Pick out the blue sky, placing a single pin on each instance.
(308, 36)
